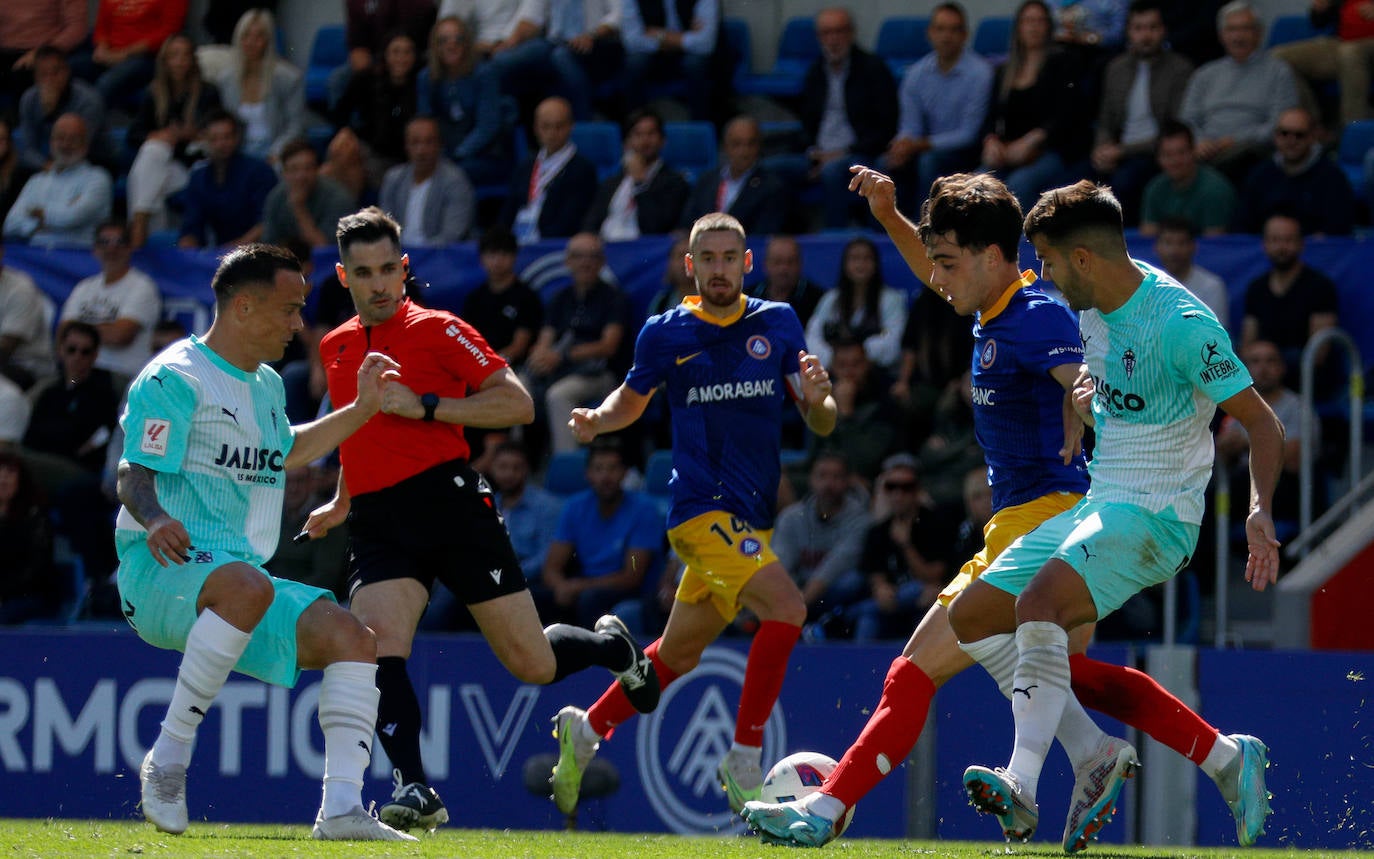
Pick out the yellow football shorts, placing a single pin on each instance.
(1004, 528)
(720, 554)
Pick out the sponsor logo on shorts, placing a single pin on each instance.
(750, 547)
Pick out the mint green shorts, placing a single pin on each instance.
(160, 604)
(1118, 549)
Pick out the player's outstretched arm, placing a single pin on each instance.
(817, 406)
(881, 193)
(1266, 463)
(315, 439)
(330, 514)
(168, 540)
(622, 407)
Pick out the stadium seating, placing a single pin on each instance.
(1291, 28)
(328, 51)
(901, 42)
(1356, 139)
(599, 141)
(993, 37)
(797, 49)
(736, 32)
(567, 473)
(690, 147)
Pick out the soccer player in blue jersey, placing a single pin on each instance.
(207, 447)
(728, 363)
(1156, 365)
(1026, 357)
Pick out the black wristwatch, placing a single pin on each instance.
(430, 402)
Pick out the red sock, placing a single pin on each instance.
(889, 735)
(1133, 697)
(763, 676)
(613, 707)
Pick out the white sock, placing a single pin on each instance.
(1040, 690)
(747, 754)
(1078, 733)
(1224, 751)
(997, 654)
(583, 727)
(348, 716)
(823, 805)
(213, 647)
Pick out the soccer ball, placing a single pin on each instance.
(799, 775)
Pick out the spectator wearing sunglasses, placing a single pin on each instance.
(74, 413)
(121, 302)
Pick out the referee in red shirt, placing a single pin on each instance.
(417, 512)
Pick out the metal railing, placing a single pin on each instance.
(1309, 532)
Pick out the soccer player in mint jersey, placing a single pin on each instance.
(728, 363)
(418, 513)
(1156, 365)
(207, 447)
(1027, 356)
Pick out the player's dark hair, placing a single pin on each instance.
(365, 227)
(1082, 214)
(252, 266)
(977, 209)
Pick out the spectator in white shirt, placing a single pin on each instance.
(121, 302)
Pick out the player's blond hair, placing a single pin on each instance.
(715, 222)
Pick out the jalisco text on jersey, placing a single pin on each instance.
(249, 458)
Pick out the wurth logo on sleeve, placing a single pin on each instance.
(457, 334)
(155, 436)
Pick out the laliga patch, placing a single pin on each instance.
(155, 436)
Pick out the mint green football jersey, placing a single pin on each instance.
(217, 437)
(1160, 362)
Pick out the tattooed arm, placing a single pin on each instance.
(168, 539)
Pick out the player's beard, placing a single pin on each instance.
(713, 296)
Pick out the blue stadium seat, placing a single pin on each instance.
(599, 141)
(1356, 139)
(797, 49)
(901, 42)
(992, 39)
(1291, 28)
(690, 147)
(328, 51)
(736, 32)
(657, 470)
(567, 473)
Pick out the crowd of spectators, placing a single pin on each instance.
(458, 117)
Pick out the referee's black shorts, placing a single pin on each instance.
(439, 524)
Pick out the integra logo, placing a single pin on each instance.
(1116, 399)
(247, 459)
(730, 391)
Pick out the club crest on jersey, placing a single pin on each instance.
(988, 354)
(750, 547)
(758, 347)
(1128, 362)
